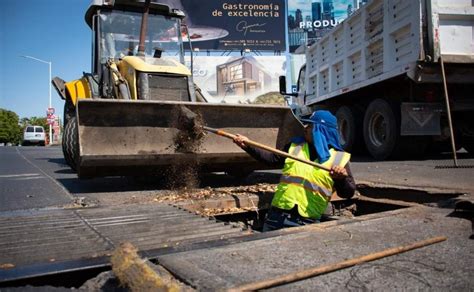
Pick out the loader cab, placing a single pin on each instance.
(122, 70)
(116, 33)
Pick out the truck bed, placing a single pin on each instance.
(388, 38)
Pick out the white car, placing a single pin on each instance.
(34, 135)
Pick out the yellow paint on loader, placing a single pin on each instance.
(78, 89)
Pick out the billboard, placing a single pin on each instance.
(234, 24)
(309, 20)
(239, 79)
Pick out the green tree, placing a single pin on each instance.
(10, 130)
(34, 121)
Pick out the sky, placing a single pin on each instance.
(50, 30)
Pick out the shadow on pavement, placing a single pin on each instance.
(440, 156)
(125, 184)
(465, 215)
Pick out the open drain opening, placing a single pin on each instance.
(406, 195)
(340, 209)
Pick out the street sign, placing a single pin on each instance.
(51, 119)
(50, 111)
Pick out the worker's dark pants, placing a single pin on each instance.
(278, 218)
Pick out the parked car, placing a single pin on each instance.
(34, 135)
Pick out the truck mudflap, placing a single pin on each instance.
(120, 137)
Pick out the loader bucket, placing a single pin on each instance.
(119, 137)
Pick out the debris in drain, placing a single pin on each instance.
(213, 193)
(347, 211)
(210, 212)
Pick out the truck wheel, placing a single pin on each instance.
(347, 127)
(70, 143)
(380, 129)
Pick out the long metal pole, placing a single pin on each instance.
(50, 125)
(49, 86)
(143, 29)
(448, 112)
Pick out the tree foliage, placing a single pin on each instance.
(270, 98)
(34, 121)
(10, 130)
(12, 127)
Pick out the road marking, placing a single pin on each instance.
(29, 178)
(47, 175)
(19, 175)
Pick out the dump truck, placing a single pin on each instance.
(124, 117)
(383, 71)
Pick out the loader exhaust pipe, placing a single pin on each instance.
(143, 27)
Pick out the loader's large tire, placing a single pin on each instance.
(69, 112)
(71, 143)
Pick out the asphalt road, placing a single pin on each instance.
(432, 173)
(37, 177)
(28, 178)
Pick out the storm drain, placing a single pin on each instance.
(42, 242)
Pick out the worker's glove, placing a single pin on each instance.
(240, 141)
(338, 172)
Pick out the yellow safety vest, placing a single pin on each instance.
(304, 185)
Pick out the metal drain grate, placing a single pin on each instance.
(41, 242)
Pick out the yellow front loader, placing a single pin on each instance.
(123, 117)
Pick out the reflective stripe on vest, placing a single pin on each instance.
(338, 158)
(305, 184)
(296, 151)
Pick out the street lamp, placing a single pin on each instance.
(49, 86)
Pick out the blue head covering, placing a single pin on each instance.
(325, 133)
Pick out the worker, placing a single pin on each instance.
(304, 191)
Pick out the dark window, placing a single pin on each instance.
(38, 130)
(30, 129)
